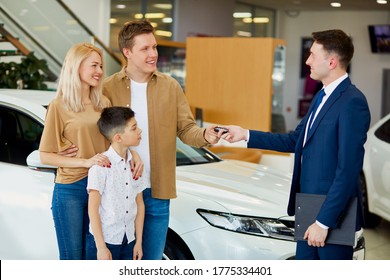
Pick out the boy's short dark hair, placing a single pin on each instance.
(114, 120)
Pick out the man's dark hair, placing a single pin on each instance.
(131, 29)
(338, 42)
(114, 120)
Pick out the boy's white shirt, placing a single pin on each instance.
(118, 191)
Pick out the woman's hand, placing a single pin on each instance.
(98, 159)
(69, 152)
(137, 166)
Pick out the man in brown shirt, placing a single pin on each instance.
(162, 112)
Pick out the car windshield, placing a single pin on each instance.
(187, 155)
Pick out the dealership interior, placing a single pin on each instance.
(282, 27)
(378, 242)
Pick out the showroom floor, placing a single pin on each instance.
(378, 242)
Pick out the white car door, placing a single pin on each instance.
(379, 164)
(26, 224)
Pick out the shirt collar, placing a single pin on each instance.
(113, 155)
(122, 74)
(333, 85)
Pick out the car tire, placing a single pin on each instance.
(370, 220)
(175, 248)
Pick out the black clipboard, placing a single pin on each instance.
(307, 207)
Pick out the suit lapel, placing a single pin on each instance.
(328, 104)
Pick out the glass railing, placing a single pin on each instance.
(49, 28)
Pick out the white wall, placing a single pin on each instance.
(95, 14)
(366, 67)
(212, 18)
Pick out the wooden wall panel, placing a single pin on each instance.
(231, 79)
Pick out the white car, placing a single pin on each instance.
(375, 177)
(225, 209)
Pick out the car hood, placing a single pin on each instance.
(240, 187)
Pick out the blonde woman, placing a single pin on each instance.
(71, 121)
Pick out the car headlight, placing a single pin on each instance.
(266, 227)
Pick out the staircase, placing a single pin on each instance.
(45, 29)
(10, 46)
(11, 49)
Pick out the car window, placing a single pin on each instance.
(187, 155)
(19, 136)
(383, 132)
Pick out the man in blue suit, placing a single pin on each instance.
(328, 144)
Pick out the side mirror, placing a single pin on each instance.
(34, 162)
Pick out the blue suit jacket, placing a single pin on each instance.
(332, 158)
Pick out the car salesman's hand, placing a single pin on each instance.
(316, 235)
(235, 134)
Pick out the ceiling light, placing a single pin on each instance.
(113, 20)
(154, 15)
(150, 15)
(163, 33)
(71, 22)
(383, 2)
(335, 4)
(244, 34)
(121, 6)
(163, 6)
(261, 20)
(167, 20)
(41, 28)
(256, 20)
(242, 15)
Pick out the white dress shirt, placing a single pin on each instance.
(328, 91)
(118, 191)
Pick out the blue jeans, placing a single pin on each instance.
(155, 226)
(70, 214)
(123, 251)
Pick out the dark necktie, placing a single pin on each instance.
(321, 95)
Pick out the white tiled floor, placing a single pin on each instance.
(378, 242)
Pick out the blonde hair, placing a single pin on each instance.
(69, 85)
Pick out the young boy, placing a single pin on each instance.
(115, 206)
